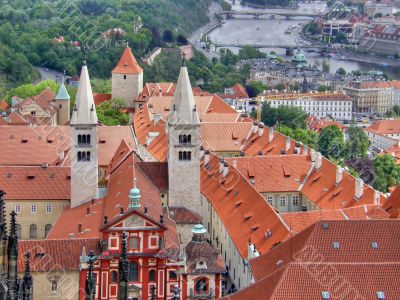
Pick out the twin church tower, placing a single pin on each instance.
(183, 134)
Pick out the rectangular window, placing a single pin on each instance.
(270, 199)
(295, 200)
(17, 208)
(282, 200)
(33, 209)
(134, 243)
(49, 209)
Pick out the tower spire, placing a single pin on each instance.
(12, 253)
(27, 283)
(123, 270)
(184, 102)
(90, 286)
(85, 113)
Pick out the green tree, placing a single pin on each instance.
(249, 52)
(341, 71)
(341, 38)
(182, 40)
(168, 36)
(330, 142)
(254, 88)
(292, 117)
(286, 131)
(387, 172)
(357, 143)
(110, 113)
(323, 88)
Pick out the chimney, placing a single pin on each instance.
(225, 171)
(234, 163)
(271, 134)
(359, 188)
(206, 157)
(305, 149)
(157, 118)
(339, 174)
(287, 146)
(201, 152)
(377, 197)
(221, 165)
(313, 155)
(318, 161)
(79, 228)
(261, 129)
(255, 127)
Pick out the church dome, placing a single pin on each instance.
(299, 58)
(134, 196)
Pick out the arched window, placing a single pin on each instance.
(152, 275)
(201, 285)
(18, 230)
(47, 229)
(114, 277)
(133, 271)
(33, 231)
(54, 287)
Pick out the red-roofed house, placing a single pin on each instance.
(384, 134)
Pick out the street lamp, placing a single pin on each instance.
(175, 292)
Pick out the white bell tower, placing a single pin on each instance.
(84, 146)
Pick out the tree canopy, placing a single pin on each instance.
(290, 116)
(110, 113)
(330, 142)
(387, 172)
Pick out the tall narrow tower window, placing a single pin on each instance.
(83, 139)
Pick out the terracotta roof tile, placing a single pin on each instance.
(298, 221)
(4, 105)
(127, 64)
(385, 127)
(274, 173)
(21, 144)
(156, 172)
(392, 204)
(183, 215)
(206, 253)
(321, 188)
(223, 199)
(35, 183)
(100, 98)
(292, 270)
(55, 255)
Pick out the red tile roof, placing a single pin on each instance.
(235, 197)
(206, 253)
(21, 144)
(4, 105)
(385, 127)
(36, 183)
(292, 270)
(282, 173)
(298, 221)
(183, 215)
(321, 188)
(127, 64)
(100, 98)
(392, 204)
(156, 172)
(55, 255)
(16, 119)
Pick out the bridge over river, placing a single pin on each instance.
(259, 13)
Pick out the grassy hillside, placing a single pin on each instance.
(27, 27)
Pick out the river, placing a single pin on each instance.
(249, 30)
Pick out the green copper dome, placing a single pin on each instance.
(62, 93)
(134, 196)
(299, 58)
(199, 229)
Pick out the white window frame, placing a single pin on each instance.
(270, 200)
(282, 199)
(17, 208)
(295, 203)
(33, 209)
(49, 208)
